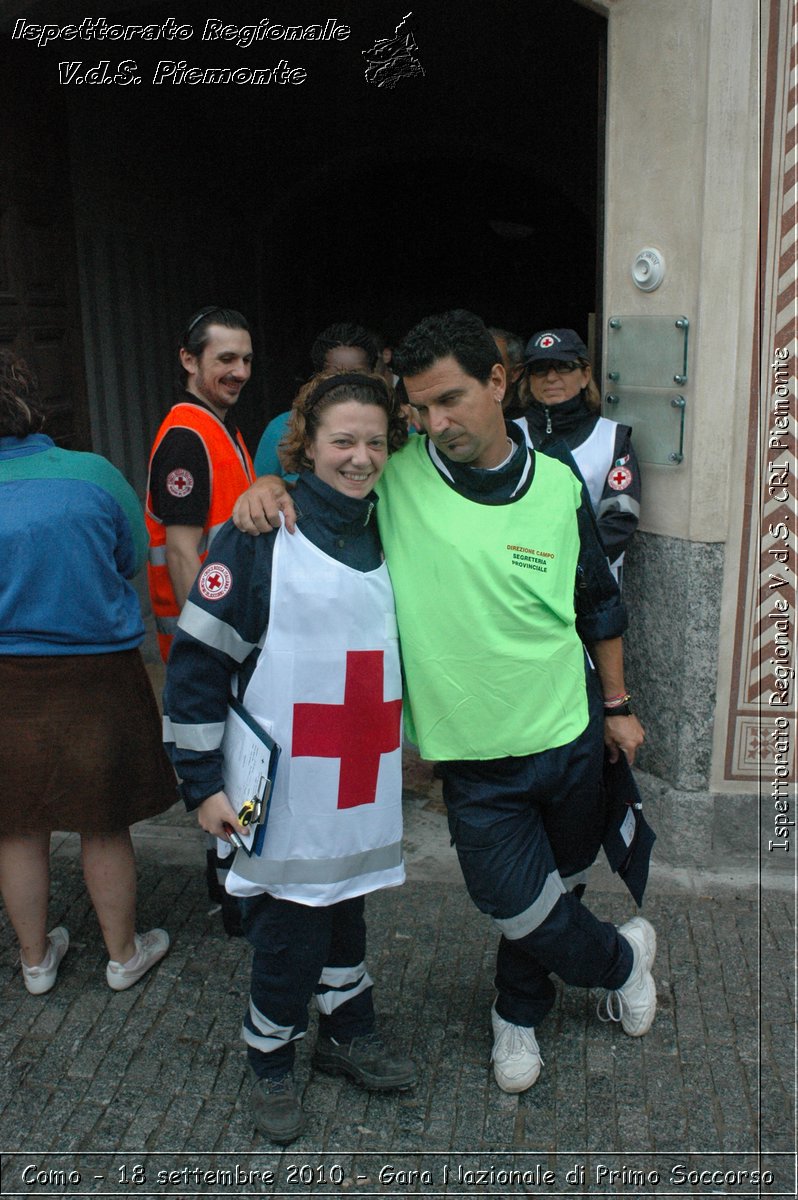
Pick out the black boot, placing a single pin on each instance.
(367, 1061)
(276, 1108)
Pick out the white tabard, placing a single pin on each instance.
(595, 457)
(327, 687)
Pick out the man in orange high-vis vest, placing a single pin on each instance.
(199, 464)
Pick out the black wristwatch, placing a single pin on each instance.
(620, 710)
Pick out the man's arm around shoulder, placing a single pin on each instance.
(257, 510)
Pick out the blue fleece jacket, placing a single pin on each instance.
(72, 535)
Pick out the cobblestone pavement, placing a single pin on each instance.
(145, 1092)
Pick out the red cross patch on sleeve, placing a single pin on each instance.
(619, 478)
(179, 483)
(215, 581)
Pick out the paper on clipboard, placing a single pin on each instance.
(250, 762)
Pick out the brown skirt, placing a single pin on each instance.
(80, 744)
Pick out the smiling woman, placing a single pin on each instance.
(338, 430)
(306, 621)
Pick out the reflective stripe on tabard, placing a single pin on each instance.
(327, 687)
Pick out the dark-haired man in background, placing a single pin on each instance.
(199, 463)
(511, 348)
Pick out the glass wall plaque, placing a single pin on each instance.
(644, 383)
(657, 420)
(647, 352)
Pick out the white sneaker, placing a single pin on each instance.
(41, 978)
(150, 949)
(635, 1002)
(646, 931)
(515, 1055)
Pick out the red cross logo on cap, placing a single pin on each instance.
(547, 340)
(359, 731)
(215, 581)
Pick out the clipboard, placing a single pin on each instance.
(250, 757)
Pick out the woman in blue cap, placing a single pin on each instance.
(565, 405)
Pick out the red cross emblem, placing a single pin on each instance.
(546, 341)
(619, 479)
(179, 482)
(359, 731)
(215, 581)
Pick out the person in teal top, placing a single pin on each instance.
(501, 587)
(339, 347)
(267, 459)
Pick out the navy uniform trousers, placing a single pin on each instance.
(525, 830)
(302, 951)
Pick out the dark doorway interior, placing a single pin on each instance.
(475, 185)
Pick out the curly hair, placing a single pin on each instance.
(343, 334)
(307, 411)
(20, 413)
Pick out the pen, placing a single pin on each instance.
(233, 837)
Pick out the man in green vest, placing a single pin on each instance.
(501, 586)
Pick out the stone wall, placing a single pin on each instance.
(672, 589)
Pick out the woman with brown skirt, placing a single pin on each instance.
(80, 742)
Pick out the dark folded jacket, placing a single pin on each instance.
(628, 837)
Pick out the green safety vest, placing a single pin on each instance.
(485, 602)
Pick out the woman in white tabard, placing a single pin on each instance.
(303, 626)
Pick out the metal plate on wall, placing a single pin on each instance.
(657, 420)
(646, 352)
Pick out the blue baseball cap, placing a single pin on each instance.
(559, 345)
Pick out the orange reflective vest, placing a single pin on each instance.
(231, 472)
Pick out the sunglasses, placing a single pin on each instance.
(562, 368)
